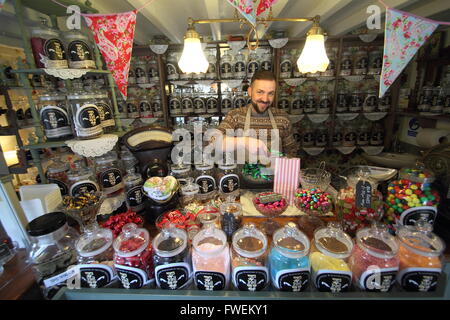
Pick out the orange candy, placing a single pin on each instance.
(410, 259)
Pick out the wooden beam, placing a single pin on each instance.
(213, 12)
(323, 8)
(161, 15)
(356, 16)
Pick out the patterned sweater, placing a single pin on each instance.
(235, 119)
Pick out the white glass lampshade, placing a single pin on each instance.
(313, 57)
(193, 58)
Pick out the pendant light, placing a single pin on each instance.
(313, 57)
(193, 58)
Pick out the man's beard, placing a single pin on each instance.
(255, 107)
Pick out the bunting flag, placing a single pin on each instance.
(405, 33)
(286, 177)
(245, 7)
(264, 5)
(114, 34)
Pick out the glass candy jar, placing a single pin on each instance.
(227, 180)
(86, 117)
(96, 257)
(81, 180)
(248, 259)
(310, 102)
(374, 261)
(79, 50)
(240, 66)
(133, 258)
(375, 62)
(420, 254)
(346, 64)
(285, 66)
(133, 190)
(253, 65)
(342, 101)
(57, 173)
(140, 72)
(284, 102)
(48, 50)
(172, 67)
(211, 73)
(171, 260)
(181, 171)
(361, 63)
(359, 203)
(52, 251)
(324, 102)
(226, 69)
(356, 101)
(109, 174)
(288, 259)
(231, 216)
(105, 110)
(371, 101)
(298, 104)
(204, 177)
(330, 251)
(412, 197)
(211, 259)
(54, 116)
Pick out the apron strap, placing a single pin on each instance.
(248, 119)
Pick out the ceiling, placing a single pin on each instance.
(338, 17)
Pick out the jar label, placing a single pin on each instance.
(332, 280)
(412, 215)
(229, 183)
(199, 105)
(111, 180)
(87, 121)
(346, 65)
(298, 104)
(135, 197)
(131, 108)
(363, 194)
(283, 104)
(342, 100)
(62, 186)
(132, 278)
(239, 67)
(252, 67)
(286, 67)
(371, 101)
(175, 105)
(362, 63)
(95, 275)
(186, 104)
(266, 66)
(173, 276)
(141, 77)
(325, 103)
(419, 279)
(212, 68)
(211, 105)
(225, 68)
(84, 186)
(308, 138)
(377, 138)
(337, 137)
(106, 115)
(60, 278)
(207, 184)
(153, 74)
(80, 55)
(350, 137)
(378, 279)
(209, 280)
(226, 103)
(239, 102)
(145, 107)
(293, 280)
(171, 70)
(321, 139)
(250, 278)
(363, 137)
(54, 50)
(55, 121)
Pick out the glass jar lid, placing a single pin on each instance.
(227, 166)
(180, 168)
(170, 242)
(52, 97)
(417, 174)
(47, 223)
(249, 241)
(94, 241)
(204, 167)
(75, 35)
(231, 206)
(420, 239)
(190, 188)
(291, 241)
(131, 241)
(212, 240)
(333, 241)
(109, 157)
(377, 241)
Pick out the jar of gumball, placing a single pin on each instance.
(133, 257)
(411, 197)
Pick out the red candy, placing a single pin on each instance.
(177, 218)
(116, 222)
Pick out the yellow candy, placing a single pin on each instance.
(408, 192)
(319, 261)
(414, 187)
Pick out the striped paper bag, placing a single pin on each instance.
(286, 177)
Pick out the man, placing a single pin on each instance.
(259, 114)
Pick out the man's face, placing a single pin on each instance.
(262, 93)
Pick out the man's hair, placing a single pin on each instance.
(263, 75)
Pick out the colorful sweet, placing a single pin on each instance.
(355, 218)
(159, 188)
(406, 194)
(176, 218)
(116, 222)
(320, 261)
(270, 204)
(313, 201)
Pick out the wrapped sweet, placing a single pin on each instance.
(313, 201)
